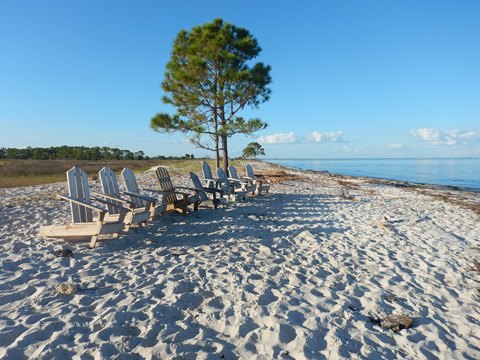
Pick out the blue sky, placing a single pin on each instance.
(350, 78)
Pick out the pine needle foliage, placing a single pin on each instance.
(209, 79)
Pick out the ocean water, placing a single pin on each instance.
(461, 172)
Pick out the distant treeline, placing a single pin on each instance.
(80, 153)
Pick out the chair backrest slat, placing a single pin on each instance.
(222, 175)
(207, 171)
(77, 181)
(166, 184)
(109, 182)
(233, 172)
(198, 185)
(249, 171)
(132, 186)
(225, 185)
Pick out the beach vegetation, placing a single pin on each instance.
(209, 80)
(72, 153)
(15, 173)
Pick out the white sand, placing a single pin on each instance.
(295, 274)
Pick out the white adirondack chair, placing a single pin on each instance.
(83, 226)
(176, 200)
(245, 183)
(202, 191)
(230, 187)
(261, 185)
(111, 192)
(210, 181)
(140, 200)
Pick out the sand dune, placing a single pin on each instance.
(300, 273)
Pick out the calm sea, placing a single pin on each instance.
(462, 172)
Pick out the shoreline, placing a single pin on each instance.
(308, 271)
(465, 197)
(413, 183)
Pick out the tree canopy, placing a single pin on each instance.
(209, 80)
(252, 150)
(71, 153)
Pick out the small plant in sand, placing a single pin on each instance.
(67, 289)
(345, 194)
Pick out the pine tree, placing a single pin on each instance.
(209, 80)
(253, 150)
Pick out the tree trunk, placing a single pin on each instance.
(224, 137)
(217, 155)
(217, 150)
(225, 153)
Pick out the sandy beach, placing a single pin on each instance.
(306, 272)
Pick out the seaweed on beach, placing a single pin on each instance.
(450, 198)
(280, 176)
(476, 266)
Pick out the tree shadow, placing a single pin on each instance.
(263, 217)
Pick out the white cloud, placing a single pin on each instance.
(278, 138)
(396, 146)
(319, 137)
(447, 137)
(426, 134)
(291, 137)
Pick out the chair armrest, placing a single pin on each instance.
(114, 198)
(90, 206)
(106, 202)
(163, 192)
(181, 193)
(140, 196)
(185, 188)
(209, 190)
(212, 181)
(237, 181)
(247, 179)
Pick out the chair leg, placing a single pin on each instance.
(152, 212)
(93, 242)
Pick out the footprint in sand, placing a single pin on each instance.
(287, 333)
(267, 298)
(248, 326)
(9, 335)
(189, 301)
(296, 317)
(183, 287)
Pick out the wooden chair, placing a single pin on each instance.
(245, 183)
(229, 187)
(136, 214)
(140, 200)
(210, 181)
(176, 200)
(261, 185)
(83, 225)
(202, 192)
